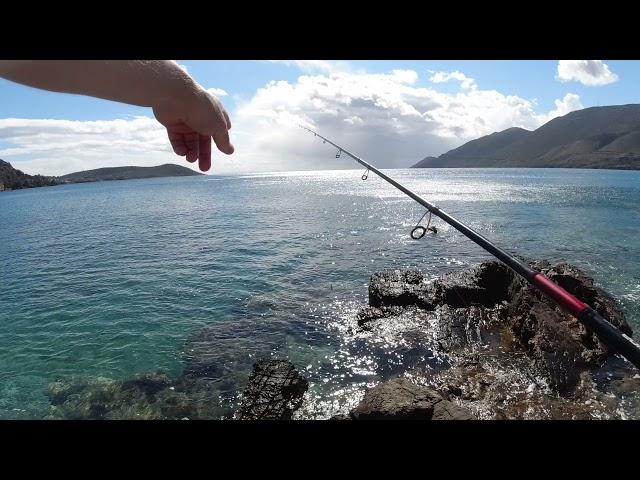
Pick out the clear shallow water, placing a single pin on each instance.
(110, 279)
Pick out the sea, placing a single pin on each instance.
(110, 279)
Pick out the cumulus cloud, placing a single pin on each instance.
(466, 83)
(569, 103)
(56, 147)
(588, 72)
(384, 117)
(218, 92)
(316, 66)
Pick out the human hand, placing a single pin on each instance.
(191, 122)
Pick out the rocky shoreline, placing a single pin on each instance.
(497, 349)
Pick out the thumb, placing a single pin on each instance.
(221, 139)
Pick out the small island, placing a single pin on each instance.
(14, 179)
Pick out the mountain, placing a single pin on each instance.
(128, 173)
(13, 179)
(596, 137)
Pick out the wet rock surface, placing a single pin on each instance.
(507, 351)
(274, 391)
(401, 399)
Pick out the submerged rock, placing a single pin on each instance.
(274, 391)
(148, 397)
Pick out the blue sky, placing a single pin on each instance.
(533, 84)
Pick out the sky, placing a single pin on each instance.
(392, 113)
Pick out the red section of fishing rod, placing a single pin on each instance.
(591, 319)
(563, 298)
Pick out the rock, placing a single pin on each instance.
(445, 410)
(274, 391)
(399, 288)
(486, 284)
(475, 306)
(498, 346)
(576, 282)
(400, 399)
(557, 341)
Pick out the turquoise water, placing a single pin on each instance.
(110, 279)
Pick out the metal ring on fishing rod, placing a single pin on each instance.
(419, 228)
(420, 235)
(338, 153)
(365, 175)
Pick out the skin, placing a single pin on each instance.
(191, 115)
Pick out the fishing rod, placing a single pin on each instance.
(610, 335)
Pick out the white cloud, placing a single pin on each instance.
(385, 118)
(218, 92)
(569, 103)
(56, 147)
(466, 83)
(316, 66)
(588, 72)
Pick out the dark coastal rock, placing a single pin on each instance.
(495, 387)
(400, 399)
(274, 391)
(486, 284)
(576, 282)
(489, 307)
(458, 328)
(399, 288)
(556, 340)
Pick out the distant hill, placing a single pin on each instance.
(596, 137)
(128, 173)
(13, 179)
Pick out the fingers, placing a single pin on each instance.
(192, 141)
(227, 119)
(186, 142)
(204, 157)
(177, 143)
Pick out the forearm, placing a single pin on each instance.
(137, 82)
